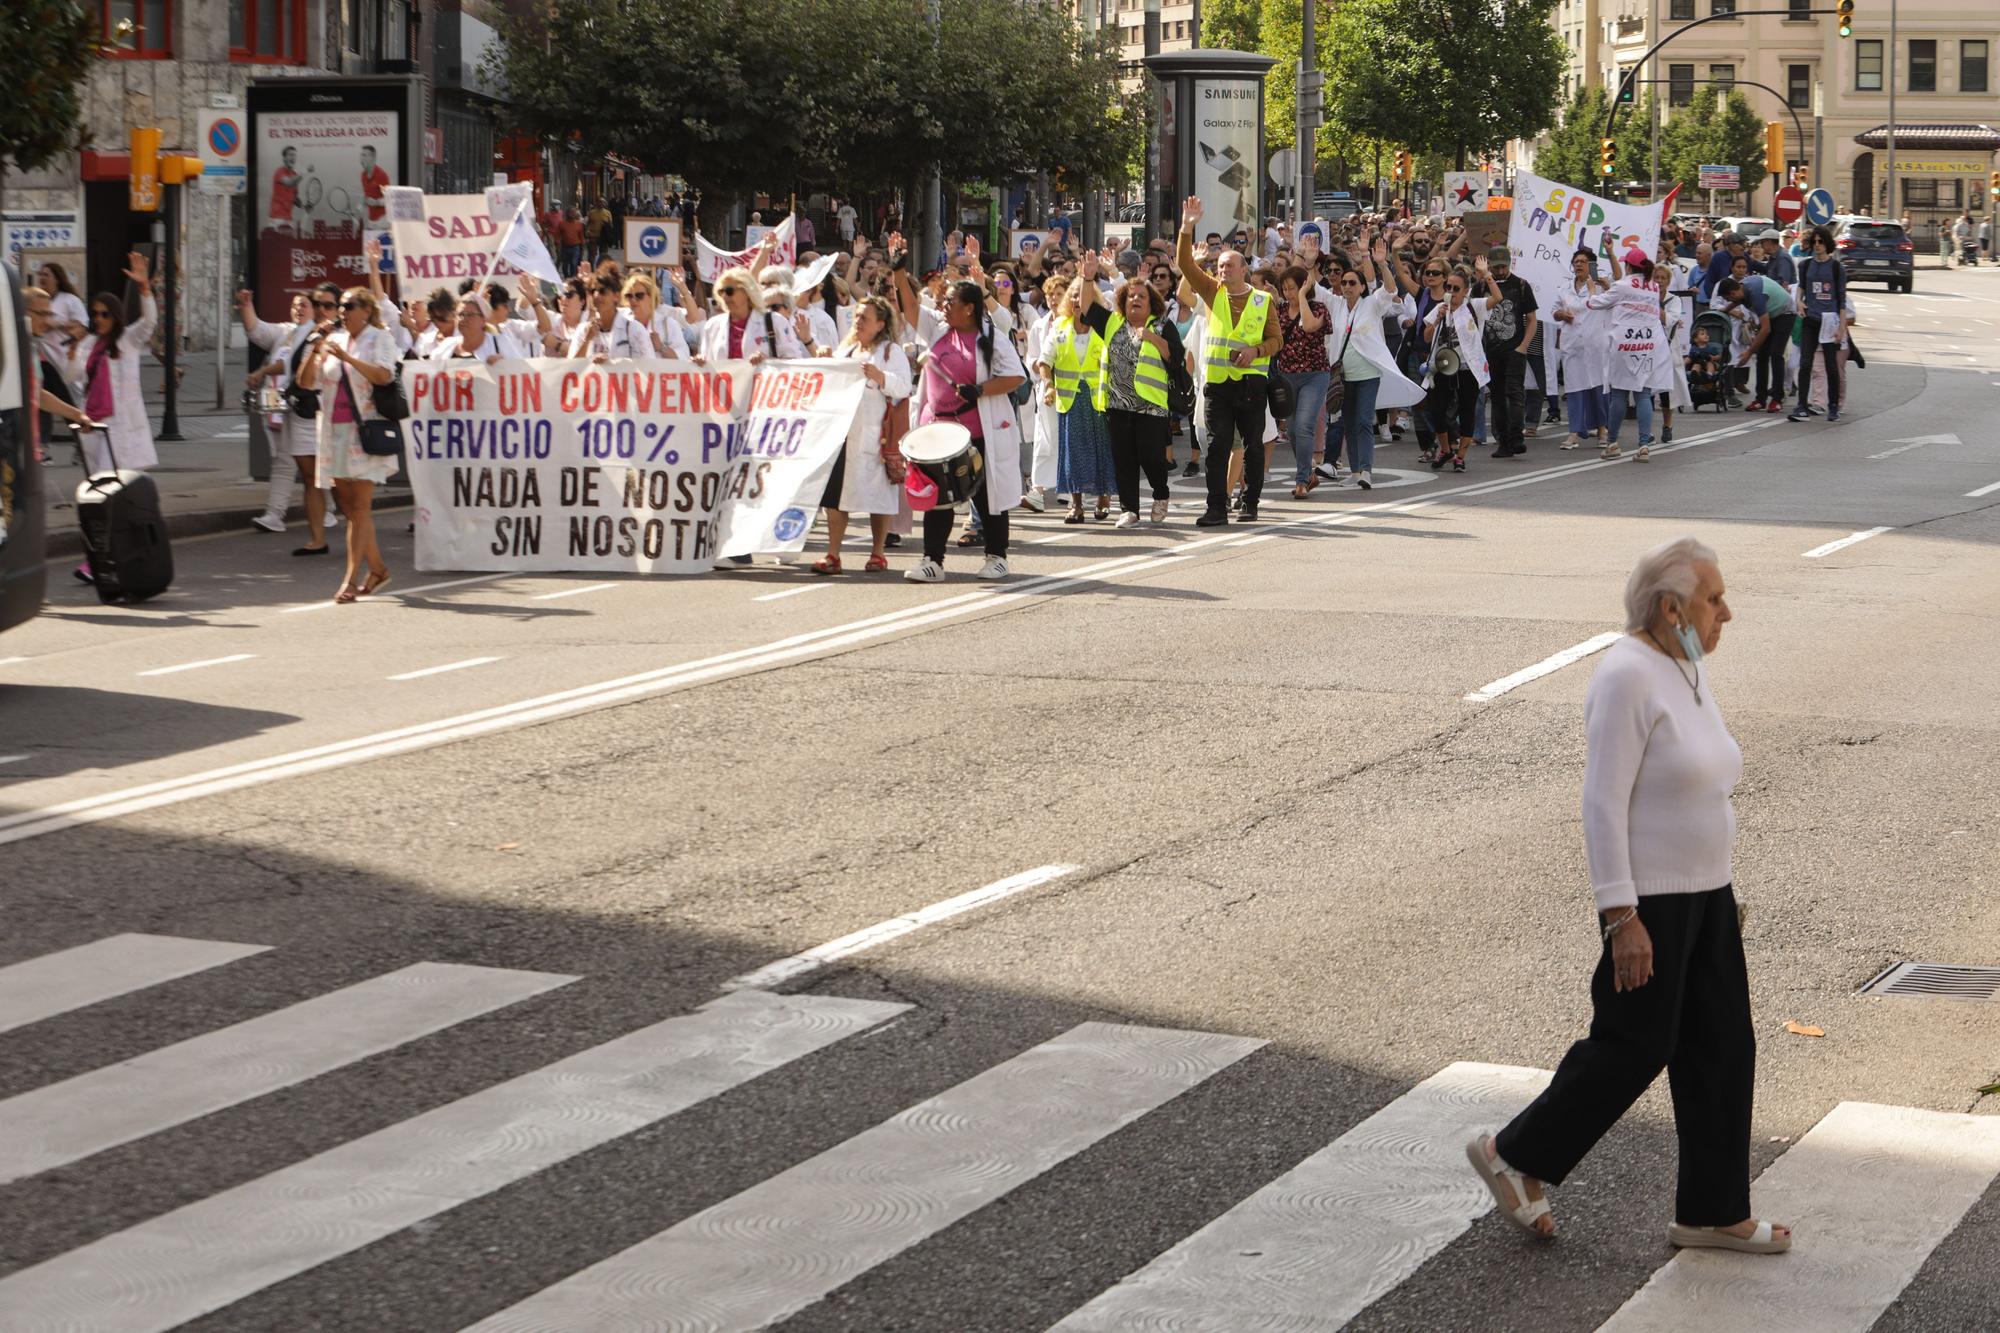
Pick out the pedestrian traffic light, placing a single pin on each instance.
(1607, 155)
(144, 144)
(176, 169)
(1993, 185)
(1774, 147)
(1846, 12)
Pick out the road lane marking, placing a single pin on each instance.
(1983, 490)
(196, 666)
(66, 1122)
(1870, 1191)
(1370, 1208)
(103, 969)
(13, 758)
(798, 964)
(448, 666)
(23, 824)
(10, 661)
(571, 592)
(791, 592)
(759, 1256)
(1845, 542)
(161, 1273)
(1556, 662)
(1051, 541)
(404, 593)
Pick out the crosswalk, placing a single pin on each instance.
(1872, 1190)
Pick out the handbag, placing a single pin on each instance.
(1336, 374)
(303, 402)
(378, 437)
(1280, 396)
(1180, 380)
(391, 403)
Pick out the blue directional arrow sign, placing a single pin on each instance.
(1819, 207)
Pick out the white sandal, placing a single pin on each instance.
(1610, 451)
(1764, 1240)
(1493, 1170)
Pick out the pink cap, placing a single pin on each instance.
(1634, 257)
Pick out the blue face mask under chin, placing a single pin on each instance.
(1690, 643)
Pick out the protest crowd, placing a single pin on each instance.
(1082, 379)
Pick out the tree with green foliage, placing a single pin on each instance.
(46, 47)
(1459, 77)
(1717, 126)
(1570, 153)
(1232, 25)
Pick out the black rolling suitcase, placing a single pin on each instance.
(124, 535)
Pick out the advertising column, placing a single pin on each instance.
(1209, 131)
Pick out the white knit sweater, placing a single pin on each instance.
(1656, 780)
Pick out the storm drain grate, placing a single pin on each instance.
(1940, 981)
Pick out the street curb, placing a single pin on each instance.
(65, 542)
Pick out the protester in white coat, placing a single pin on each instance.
(967, 376)
(867, 476)
(1355, 343)
(297, 448)
(1046, 418)
(745, 331)
(1583, 348)
(104, 367)
(1641, 363)
(1456, 323)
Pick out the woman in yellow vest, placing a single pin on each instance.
(1137, 346)
(1072, 353)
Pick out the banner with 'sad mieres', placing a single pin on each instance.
(627, 467)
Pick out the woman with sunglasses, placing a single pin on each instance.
(664, 340)
(1583, 351)
(1456, 324)
(572, 313)
(1075, 354)
(105, 367)
(290, 345)
(744, 330)
(1355, 341)
(1136, 347)
(966, 379)
(480, 337)
(345, 367)
(1414, 354)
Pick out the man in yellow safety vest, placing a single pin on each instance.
(1243, 335)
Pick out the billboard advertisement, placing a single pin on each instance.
(1227, 164)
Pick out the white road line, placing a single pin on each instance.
(196, 666)
(1051, 541)
(200, 1257)
(791, 592)
(1370, 1208)
(404, 592)
(751, 1260)
(103, 969)
(1983, 490)
(65, 1122)
(10, 661)
(1899, 449)
(571, 592)
(1574, 653)
(798, 964)
(1869, 1191)
(23, 824)
(13, 758)
(448, 666)
(1845, 542)
(1252, 541)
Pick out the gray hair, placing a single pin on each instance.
(1666, 569)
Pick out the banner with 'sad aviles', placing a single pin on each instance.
(626, 466)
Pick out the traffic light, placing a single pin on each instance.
(144, 144)
(1402, 164)
(176, 169)
(1993, 185)
(1774, 147)
(1625, 91)
(1845, 11)
(1607, 158)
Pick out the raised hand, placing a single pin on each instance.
(1190, 212)
(372, 248)
(137, 269)
(244, 298)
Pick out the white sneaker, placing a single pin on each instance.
(1331, 471)
(1574, 441)
(996, 565)
(1033, 500)
(269, 524)
(1128, 519)
(1364, 480)
(926, 570)
(1159, 512)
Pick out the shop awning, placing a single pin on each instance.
(1925, 136)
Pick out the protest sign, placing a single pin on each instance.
(443, 238)
(1465, 192)
(711, 262)
(628, 466)
(1550, 222)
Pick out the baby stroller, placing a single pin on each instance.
(1708, 381)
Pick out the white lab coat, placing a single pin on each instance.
(865, 487)
(715, 337)
(1000, 428)
(1042, 419)
(1583, 344)
(1366, 340)
(1640, 361)
(130, 430)
(1466, 322)
(498, 345)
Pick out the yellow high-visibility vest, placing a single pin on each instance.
(1075, 370)
(1227, 336)
(1149, 376)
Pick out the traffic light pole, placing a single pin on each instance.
(170, 421)
(1797, 124)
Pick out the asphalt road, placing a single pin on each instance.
(1348, 901)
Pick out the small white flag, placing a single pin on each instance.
(523, 249)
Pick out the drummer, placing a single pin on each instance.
(966, 380)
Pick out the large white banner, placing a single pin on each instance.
(711, 262)
(630, 466)
(1550, 222)
(440, 239)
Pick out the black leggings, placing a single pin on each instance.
(1454, 404)
(938, 521)
(1771, 360)
(1830, 354)
(1138, 441)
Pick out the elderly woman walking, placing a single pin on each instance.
(1670, 990)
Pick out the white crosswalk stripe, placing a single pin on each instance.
(201, 1257)
(66, 1121)
(104, 969)
(783, 1244)
(1868, 1193)
(1334, 1234)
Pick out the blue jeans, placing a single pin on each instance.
(1357, 422)
(1309, 391)
(1621, 409)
